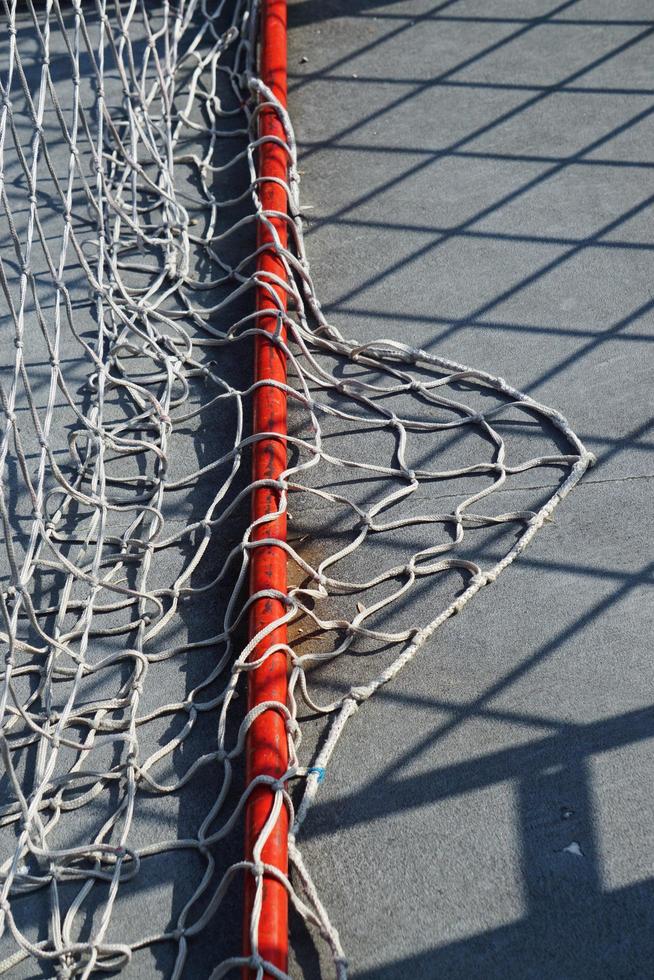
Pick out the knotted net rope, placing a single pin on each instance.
(128, 182)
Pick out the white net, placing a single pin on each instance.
(128, 143)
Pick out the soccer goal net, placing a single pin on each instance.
(140, 265)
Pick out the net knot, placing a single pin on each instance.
(230, 35)
(292, 726)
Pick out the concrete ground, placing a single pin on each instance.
(479, 177)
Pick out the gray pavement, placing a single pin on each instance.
(479, 173)
(480, 181)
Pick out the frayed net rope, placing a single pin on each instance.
(122, 306)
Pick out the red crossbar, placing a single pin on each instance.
(267, 751)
